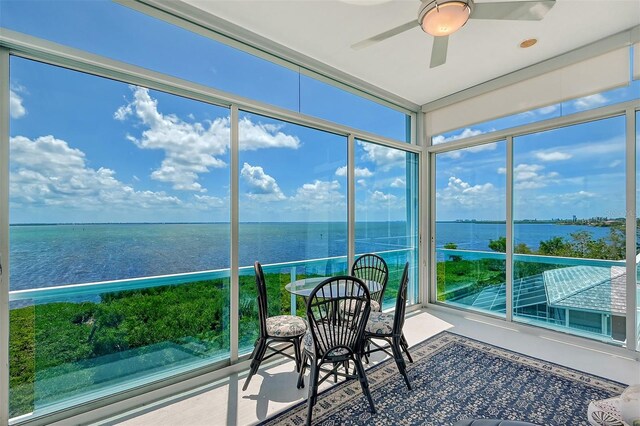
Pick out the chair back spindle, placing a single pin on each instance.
(336, 335)
(262, 297)
(401, 302)
(371, 267)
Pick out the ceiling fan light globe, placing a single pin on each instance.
(444, 17)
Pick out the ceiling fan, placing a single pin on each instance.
(440, 18)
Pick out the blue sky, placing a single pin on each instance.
(88, 149)
(576, 170)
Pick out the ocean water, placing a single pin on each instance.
(52, 255)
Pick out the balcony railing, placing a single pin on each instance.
(576, 295)
(71, 344)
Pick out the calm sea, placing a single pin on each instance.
(50, 255)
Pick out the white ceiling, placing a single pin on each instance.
(480, 51)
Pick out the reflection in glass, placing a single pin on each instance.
(387, 212)
(293, 212)
(117, 194)
(470, 227)
(569, 229)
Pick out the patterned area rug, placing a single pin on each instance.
(454, 378)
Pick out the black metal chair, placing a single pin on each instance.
(387, 326)
(371, 267)
(280, 328)
(333, 338)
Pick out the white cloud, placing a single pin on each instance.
(192, 149)
(381, 197)
(16, 109)
(615, 163)
(461, 194)
(255, 136)
(528, 176)
(359, 172)
(466, 133)
(553, 156)
(590, 101)
(548, 109)
(478, 148)
(206, 202)
(261, 185)
(362, 183)
(318, 194)
(382, 156)
(398, 183)
(47, 171)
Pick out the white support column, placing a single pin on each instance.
(632, 322)
(509, 225)
(234, 221)
(4, 236)
(430, 242)
(351, 201)
(424, 259)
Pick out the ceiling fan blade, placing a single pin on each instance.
(439, 51)
(514, 10)
(385, 35)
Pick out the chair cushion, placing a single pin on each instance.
(350, 306)
(605, 412)
(286, 326)
(309, 346)
(380, 323)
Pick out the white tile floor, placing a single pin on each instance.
(273, 388)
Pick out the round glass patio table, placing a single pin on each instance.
(305, 286)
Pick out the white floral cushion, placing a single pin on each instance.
(286, 326)
(380, 323)
(605, 412)
(309, 346)
(350, 306)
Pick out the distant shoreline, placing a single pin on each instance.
(579, 222)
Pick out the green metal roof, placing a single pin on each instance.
(589, 288)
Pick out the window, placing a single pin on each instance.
(470, 230)
(569, 225)
(115, 31)
(122, 189)
(387, 212)
(293, 212)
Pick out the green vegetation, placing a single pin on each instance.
(457, 276)
(579, 244)
(56, 338)
(51, 339)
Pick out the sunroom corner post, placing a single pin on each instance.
(4, 236)
(234, 296)
(509, 236)
(351, 200)
(630, 237)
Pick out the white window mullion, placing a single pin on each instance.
(234, 219)
(4, 236)
(351, 201)
(632, 332)
(509, 225)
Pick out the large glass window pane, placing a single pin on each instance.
(562, 109)
(470, 228)
(322, 100)
(638, 225)
(119, 236)
(118, 32)
(387, 212)
(293, 212)
(569, 230)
